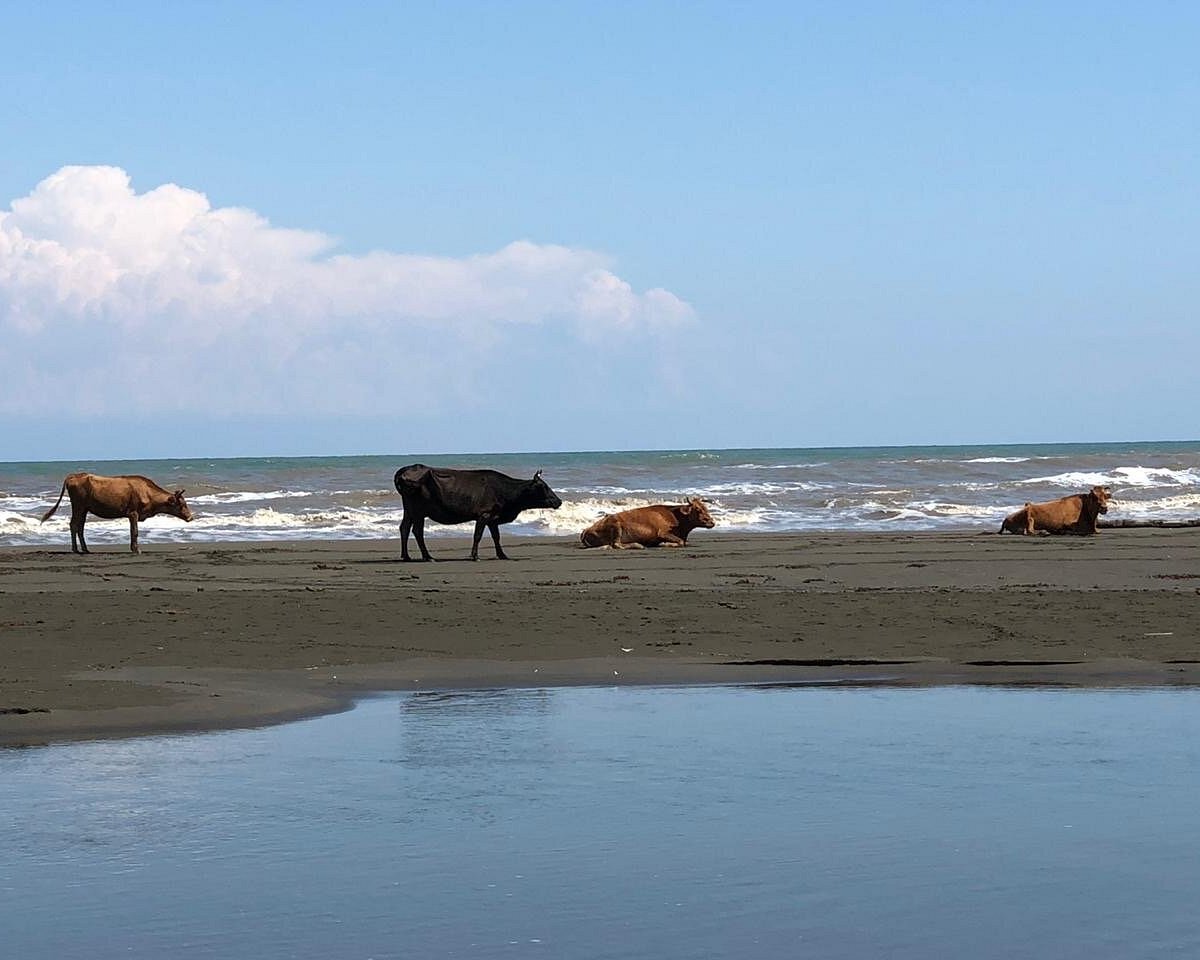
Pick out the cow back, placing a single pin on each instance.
(455, 496)
(112, 497)
(642, 525)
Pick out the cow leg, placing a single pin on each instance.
(77, 532)
(618, 538)
(479, 525)
(133, 544)
(419, 533)
(494, 527)
(670, 540)
(405, 530)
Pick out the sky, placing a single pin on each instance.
(233, 229)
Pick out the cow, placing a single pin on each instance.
(658, 525)
(111, 498)
(457, 496)
(1075, 514)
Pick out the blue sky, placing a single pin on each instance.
(298, 229)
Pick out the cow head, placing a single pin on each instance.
(1102, 495)
(697, 513)
(540, 494)
(177, 506)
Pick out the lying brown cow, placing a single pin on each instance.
(659, 525)
(1075, 514)
(114, 497)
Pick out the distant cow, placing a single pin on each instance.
(457, 496)
(659, 525)
(1075, 514)
(112, 498)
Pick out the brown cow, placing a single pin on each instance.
(114, 497)
(659, 525)
(1075, 514)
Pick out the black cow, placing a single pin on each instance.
(456, 496)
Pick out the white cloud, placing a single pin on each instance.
(110, 295)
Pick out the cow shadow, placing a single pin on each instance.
(424, 563)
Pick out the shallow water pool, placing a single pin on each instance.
(623, 822)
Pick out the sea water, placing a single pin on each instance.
(623, 823)
(854, 488)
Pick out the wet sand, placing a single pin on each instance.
(205, 636)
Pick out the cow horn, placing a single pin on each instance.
(537, 474)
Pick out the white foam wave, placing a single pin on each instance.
(759, 488)
(888, 513)
(268, 517)
(901, 514)
(1121, 476)
(247, 496)
(574, 515)
(604, 490)
(30, 505)
(741, 519)
(999, 460)
(10, 520)
(1181, 506)
(776, 466)
(940, 509)
(1071, 480)
(1157, 477)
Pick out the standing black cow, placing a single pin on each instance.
(456, 496)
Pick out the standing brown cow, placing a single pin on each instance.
(1075, 514)
(659, 525)
(114, 497)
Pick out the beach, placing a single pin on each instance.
(202, 636)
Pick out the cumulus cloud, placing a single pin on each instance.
(178, 302)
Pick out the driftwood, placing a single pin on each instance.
(1149, 523)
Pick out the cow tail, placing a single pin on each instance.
(49, 513)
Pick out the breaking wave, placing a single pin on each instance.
(1121, 476)
(747, 491)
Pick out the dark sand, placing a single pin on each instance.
(218, 635)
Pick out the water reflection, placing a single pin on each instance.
(504, 726)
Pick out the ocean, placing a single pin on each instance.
(750, 491)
